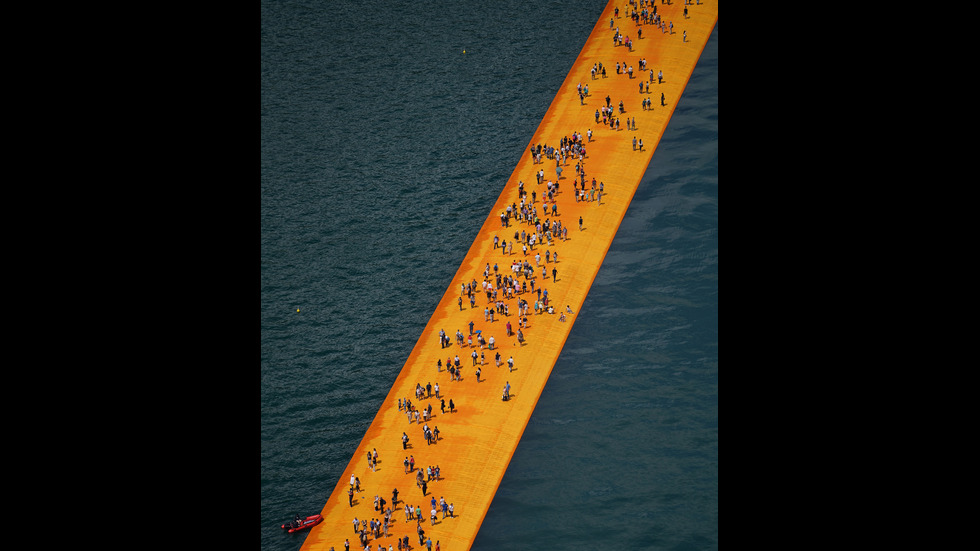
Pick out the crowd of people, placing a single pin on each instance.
(533, 230)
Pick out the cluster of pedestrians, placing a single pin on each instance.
(376, 528)
(379, 528)
(529, 275)
(641, 12)
(569, 147)
(364, 530)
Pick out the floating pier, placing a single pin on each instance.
(478, 439)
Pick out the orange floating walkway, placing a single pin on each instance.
(477, 441)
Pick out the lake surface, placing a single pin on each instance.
(383, 147)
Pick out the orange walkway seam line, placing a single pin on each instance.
(477, 441)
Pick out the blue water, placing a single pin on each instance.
(383, 147)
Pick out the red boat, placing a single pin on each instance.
(297, 525)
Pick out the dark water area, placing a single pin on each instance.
(383, 146)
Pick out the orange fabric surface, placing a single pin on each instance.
(478, 440)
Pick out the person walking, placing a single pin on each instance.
(554, 274)
(579, 223)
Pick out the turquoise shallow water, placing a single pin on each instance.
(382, 147)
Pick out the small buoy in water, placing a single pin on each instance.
(297, 309)
(464, 51)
